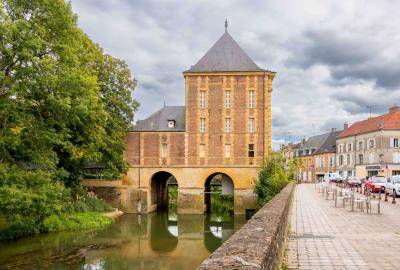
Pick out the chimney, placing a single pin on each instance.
(345, 126)
(333, 130)
(394, 108)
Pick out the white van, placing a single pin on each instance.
(328, 177)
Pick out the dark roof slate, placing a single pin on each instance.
(315, 141)
(158, 121)
(225, 55)
(329, 146)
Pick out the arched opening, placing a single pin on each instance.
(164, 191)
(218, 194)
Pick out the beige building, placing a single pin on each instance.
(370, 147)
(223, 129)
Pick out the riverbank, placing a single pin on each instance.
(65, 222)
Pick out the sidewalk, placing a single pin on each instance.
(325, 237)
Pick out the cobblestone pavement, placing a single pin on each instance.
(325, 237)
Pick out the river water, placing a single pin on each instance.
(160, 240)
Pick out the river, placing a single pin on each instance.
(159, 240)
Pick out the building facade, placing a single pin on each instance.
(317, 155)
(224, 128)
(370, 147)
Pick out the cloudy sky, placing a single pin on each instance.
(333, 59)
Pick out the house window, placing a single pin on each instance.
(227, 99)
(331, 162)
(349, 147)
(171, 123)
(227, 125)
(251, 150)
(361, 158)
(251, 99)
(202, 125)
(202, 150)
(360, 145)
(164, 150)
(341, 160)
(251, 125)
(202, 100)
(348, 159)
(371, 144)
(394, 142)
(227, 150)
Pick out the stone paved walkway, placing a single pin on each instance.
(325, 237)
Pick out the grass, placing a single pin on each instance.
(76, 221)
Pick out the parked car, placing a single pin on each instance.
(353, 181)
(333, 177)
(375, 183)
(393, 185)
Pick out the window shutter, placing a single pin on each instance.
(391, 142)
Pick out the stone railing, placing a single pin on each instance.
(259, 244)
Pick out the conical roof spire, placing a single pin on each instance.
(225, 55)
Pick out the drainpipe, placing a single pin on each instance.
(355, 154)
(139, 206)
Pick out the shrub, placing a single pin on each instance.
(27, 198)
(85, 201)
(272, 178)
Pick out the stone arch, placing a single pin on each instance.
(159, 183)
(218, 179)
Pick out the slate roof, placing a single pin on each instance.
(387, 121)
(329, 145)
(225, 55)
(158, 121)
(315, 141)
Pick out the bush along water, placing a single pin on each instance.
(31, 201)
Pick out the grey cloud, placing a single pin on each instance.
(330, 48)
(322, 51)
(351, 58)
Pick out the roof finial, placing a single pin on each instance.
(226, 25)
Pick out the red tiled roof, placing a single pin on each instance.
(390, 120)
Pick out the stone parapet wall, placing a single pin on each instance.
(259, 243)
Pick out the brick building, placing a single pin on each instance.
(224, 128)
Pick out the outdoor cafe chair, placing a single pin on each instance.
(339, 197)
(371, 201)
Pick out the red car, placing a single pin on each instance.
(375, 183)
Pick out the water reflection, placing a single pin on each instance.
(161, 240)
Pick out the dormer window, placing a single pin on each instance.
(171, 123)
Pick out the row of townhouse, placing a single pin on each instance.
(366, 148)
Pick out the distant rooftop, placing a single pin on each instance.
(159, 120)
(225, 55)
(387, 121)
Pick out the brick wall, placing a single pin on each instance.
(183, 147)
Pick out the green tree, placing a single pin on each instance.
(272, 178)
(63, 104)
